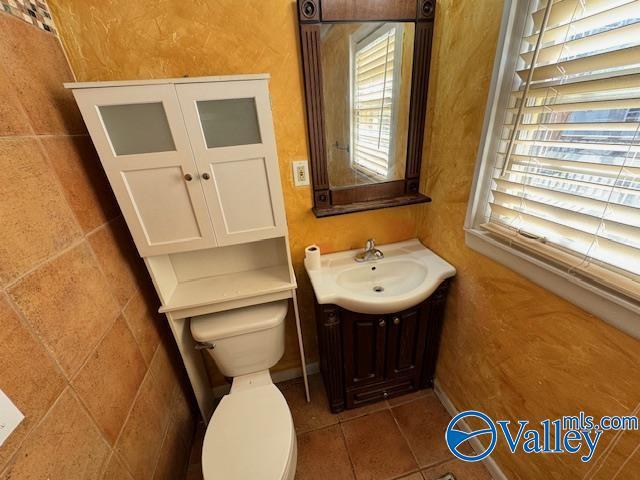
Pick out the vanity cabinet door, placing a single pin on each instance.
(231, 132)
(364, 339)
(140, 137)
(405, 343)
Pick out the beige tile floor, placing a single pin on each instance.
(402, 438)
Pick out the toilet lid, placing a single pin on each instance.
(250, 436)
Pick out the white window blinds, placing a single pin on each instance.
(374, 69)
(566, 178)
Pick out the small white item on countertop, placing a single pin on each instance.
(312, 257)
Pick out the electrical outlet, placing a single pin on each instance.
(10, 417)
(300, 173)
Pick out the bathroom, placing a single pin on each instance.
(106, 374)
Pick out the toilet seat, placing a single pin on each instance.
(250, 435)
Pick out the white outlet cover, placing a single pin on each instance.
(10, 417)
(300, 173)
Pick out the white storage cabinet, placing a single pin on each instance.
(193, 165)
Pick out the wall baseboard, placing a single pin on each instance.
(281, 376)
(494, 469)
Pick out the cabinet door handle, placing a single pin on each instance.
(206, 176)
(396, 320)
(188, 177)
(382, 323)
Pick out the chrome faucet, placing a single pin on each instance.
(371, 253)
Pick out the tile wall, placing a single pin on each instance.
(83, 354)
(36, 13)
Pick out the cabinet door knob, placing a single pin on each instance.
(382, 323)
(206, 176)
(188, 177)
(396, 320)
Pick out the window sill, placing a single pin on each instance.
(616, 310)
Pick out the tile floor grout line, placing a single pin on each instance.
(66, 378)
(22, 319)
(346, 447)
(28, 433)
(101, 269)
(12, 458)
(135, 399)
(165, 436)
(74, 243)
(324, 427)
(404, 437)
(64, 193)
(403, 474)
(41, 263)
(56, 365)
(95, 425)
(403, 401)
(406, 475)
(129, 321)
(104, 468)
(103, 226)
(122, 461)
(128, 416)
(387, 407)
(83, 404)
(85, 407)
(74, 376)
(438, 463)
(625, 462)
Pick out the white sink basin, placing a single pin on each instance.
(406, 276)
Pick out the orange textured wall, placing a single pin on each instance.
(509, 347)
(120, 40)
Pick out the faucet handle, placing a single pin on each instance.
(370, 245)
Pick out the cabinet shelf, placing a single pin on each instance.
(232, 286)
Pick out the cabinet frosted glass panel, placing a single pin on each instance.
(229, 122)
(137, 128)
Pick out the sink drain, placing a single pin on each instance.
(378, 289)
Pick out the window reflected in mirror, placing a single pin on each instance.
(366, 83)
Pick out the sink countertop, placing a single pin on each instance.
(407, 275)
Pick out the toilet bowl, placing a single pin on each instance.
(251, 433)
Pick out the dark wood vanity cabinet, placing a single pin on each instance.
(366, 358)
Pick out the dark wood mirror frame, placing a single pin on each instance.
(311, 15)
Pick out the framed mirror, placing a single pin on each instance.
(366, 72)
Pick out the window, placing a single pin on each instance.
(376, 59)
(559, 171)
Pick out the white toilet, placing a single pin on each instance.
(251, 433)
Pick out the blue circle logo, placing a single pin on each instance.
(457, 437)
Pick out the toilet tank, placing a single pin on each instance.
(247, 340)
